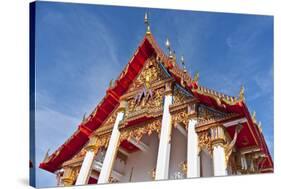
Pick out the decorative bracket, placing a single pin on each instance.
(229, 147)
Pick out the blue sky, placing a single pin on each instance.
(80, 48)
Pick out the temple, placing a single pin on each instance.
(157, 122)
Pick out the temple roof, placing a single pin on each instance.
(146, 49)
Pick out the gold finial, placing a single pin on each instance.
(259, 125)
(145, 18)
(183, 64)
(241, 93)
(111, 83)
(146, 23)
(168, 45)
(196, 77)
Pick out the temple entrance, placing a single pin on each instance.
(139, 165)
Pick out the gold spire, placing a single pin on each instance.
(183, 64)
(146, 22)
(168, 45)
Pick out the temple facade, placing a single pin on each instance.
(157, 122)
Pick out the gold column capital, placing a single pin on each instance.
(122, 106)
(217, 135)
(93, 145)
(168, 88)
(69, 176)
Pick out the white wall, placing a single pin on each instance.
(178, 152)
(119, 165)
(142, 162)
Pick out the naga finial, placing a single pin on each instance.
(241, 93)
(196, 77)
(111, 83)
(84, 118)
(146, 22)
(46, 155)
(254, 116)
(260, 127)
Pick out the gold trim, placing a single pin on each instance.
(94, 145)
(204, 142)
(138, 131)
(219, 97)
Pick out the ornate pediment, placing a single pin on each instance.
(147, 90)
(151, 73)
(144, 96)
(147, 104)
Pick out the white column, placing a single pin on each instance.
(220, 168)
(111, 151)
(193, 158)
(243, 162)
(86, 168)
(162, 167)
